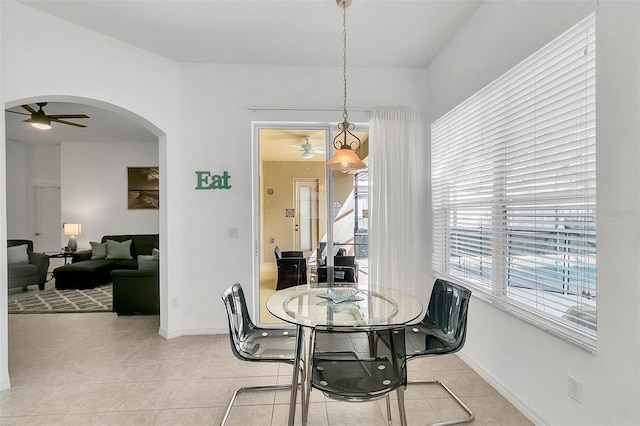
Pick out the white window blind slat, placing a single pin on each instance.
(513, 186)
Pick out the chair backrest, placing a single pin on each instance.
(250, 342)
(357, 365)
(240, 323)
(447, 312)
(341, 274)
(344, 261)
(29, 243)
(279, 254)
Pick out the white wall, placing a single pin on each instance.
(528, 365)
(219, 95)
(17, 200)
(28, 166)
(5, 383)
(94, 189)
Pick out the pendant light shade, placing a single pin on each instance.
(346, 143)
(345, 160)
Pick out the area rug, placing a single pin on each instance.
(99, 299)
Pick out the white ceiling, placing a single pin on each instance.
(390, 33)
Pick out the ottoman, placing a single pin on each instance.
(86, 274)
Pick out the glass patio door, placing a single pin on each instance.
(302, 206)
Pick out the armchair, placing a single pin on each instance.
(23, 271)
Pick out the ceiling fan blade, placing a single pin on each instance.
(53, 117)
(17, 112)
(68, 122)
(28, 108)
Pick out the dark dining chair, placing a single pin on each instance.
(345, 367)
(292, 268)
(279, 254)
(252, 343)
(341, 274)
(442, 331)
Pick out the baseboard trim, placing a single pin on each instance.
(191, 332)
(504, 390)
(5, 383)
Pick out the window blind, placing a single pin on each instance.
(514, 187)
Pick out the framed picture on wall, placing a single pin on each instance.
(143, 187)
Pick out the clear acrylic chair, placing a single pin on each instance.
(442, 331)
(346, 367)
(252, 343)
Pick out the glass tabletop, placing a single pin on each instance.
(343, 306)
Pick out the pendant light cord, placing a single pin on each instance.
(344, 57)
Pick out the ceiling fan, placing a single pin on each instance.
(308, 150)
(41, 120)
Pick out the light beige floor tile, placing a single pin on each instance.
(250, 415)
(214, 367)
(83, 419)
(348, 414)
(202, 393)
(152, 395)
(138, 418)
(83, 369)
(190, 416)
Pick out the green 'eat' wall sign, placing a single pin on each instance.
(205, 180)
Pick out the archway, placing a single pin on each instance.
(126, 115)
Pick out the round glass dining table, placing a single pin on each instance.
(310, 306)
(343, 306)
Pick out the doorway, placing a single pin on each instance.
(46, 236)
(306, 215)
(302, 206)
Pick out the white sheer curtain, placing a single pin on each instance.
(393, 231)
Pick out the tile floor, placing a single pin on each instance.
(101, 369)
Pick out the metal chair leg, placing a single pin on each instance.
(248, 389)
(460, 403)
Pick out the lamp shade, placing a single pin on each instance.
(72, 229)
(344, 160)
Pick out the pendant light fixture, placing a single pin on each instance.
(345, 159)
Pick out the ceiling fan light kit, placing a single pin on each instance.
(39, 121)
(346, 143)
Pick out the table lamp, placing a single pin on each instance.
(72, 229)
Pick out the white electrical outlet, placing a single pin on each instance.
(575, 389)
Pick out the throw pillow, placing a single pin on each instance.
(119, 250)
(155, 253)
(17, 254)
(147, 262)
(98, 250)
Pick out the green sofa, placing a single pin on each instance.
(85, 272)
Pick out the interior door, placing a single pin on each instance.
(48, 226)
(306, 215)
